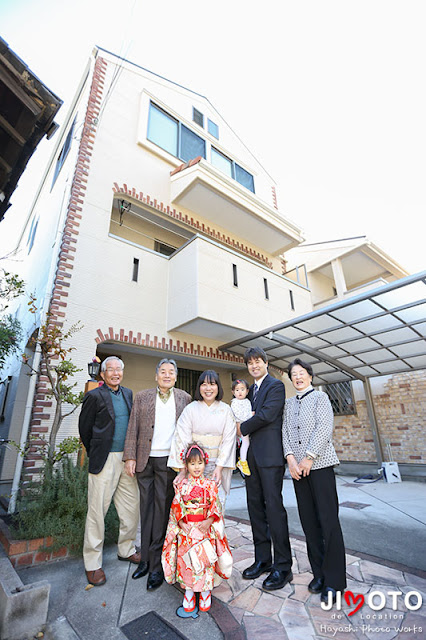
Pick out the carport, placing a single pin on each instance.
(380, 332)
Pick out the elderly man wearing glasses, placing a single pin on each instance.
(103, 425)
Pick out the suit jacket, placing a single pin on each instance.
(141, 424)
(96, 424)
(265, 427)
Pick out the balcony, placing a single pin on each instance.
(211, 195)
(217, 293)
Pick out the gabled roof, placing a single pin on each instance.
(27, 110)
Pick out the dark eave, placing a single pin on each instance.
(27, 111)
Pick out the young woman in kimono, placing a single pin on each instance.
(196, 552)
(210, 422)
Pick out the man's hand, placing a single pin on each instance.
(180, 476)
(305, 466)
(217, 475)
(293, 467)
(239, 434)
(130, 467)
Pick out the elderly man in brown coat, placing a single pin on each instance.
(151, 427)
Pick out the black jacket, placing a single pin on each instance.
(96, 424)
(265, 427)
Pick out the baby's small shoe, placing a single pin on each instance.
(242, 465)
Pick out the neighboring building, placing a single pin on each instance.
(27, 110)
(157, 228)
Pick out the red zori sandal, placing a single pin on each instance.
(205, 603)
(189, 604)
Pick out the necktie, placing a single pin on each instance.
(255, 390)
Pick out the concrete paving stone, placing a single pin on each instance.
(223, 592)
(293, 608)
(244, 528)
(302, 561)
(356, 586)
(247, 599)
(354, 572)
(241, 553)
(298, 544)
(301, 593)
(237, 541)
(240, 565)
(267, 605)
(237, 613)
(350, 559)
(295, 565)
(259, 628)
(415, 581)
(236, 583)
(283, 593)
(302, 578)
(373, 572)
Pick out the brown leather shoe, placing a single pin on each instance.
(97, 577)
(135, 558)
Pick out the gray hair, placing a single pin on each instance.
(104, 364)
(166, 361)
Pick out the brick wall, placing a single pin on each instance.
(401, 418)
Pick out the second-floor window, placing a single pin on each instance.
(232, 169)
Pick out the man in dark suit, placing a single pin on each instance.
(265, 458)
(147, 448)
(103, 425)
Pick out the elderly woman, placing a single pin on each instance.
(210, 422)
(307, 432)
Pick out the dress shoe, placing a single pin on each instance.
(277, 580)
(135, 558)
(324, 594)
(155, 580)
(97, 577)
(141, 571)
(256, 569)
(316, 585)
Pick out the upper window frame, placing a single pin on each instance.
(180, 125)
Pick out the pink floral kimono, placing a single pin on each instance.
(196, 561)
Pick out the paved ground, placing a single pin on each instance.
(392, 523)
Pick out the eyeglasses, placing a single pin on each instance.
(114, 370)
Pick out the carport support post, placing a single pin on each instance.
(373, 421)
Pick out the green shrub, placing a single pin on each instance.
(56, 506)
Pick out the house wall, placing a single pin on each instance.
(401, 418)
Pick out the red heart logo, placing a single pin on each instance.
(359, 598)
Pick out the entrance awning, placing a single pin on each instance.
(380, 332)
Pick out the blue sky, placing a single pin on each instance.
(330, 96)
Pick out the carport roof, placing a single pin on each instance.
(376, 333)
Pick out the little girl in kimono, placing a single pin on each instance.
(196, 552)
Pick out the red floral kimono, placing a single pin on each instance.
(196, 499)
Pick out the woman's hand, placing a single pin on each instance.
(305, 466)
(130, 467)
(180, 476)
(294, 468)
(217, 475)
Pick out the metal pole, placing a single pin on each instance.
(373, 421)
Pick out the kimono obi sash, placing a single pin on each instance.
(195, 504)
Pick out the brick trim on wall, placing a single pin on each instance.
(163, 344)
(65, 267)
(190, 222)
